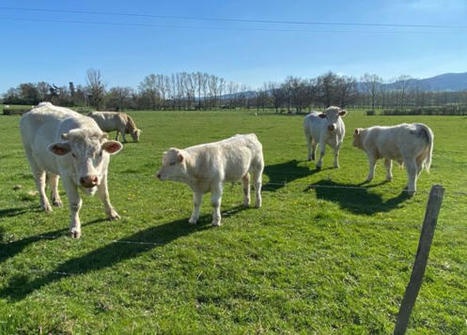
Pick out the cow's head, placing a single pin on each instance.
(173, 165)
(332, 115)
(357, 138)
(89, 151)
(135, 134)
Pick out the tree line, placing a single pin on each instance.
(199, 90)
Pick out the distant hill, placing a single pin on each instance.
(443, 82)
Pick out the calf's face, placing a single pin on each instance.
(173, 165)
(332, 115)
(357, 138)
(89, 155)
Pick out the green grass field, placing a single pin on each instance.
(326, 260)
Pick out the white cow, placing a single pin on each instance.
(324, 128)
(206, 167)
(121, 122)
(61, 142)
(408, 144)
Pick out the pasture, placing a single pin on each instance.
(330, 259)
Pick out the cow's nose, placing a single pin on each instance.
(331, 127)
(88, 181)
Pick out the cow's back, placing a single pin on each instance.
(229, 159)
(107, 121)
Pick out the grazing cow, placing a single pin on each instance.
(408, 144)
(121, 122)
(61, 142)
(206, 167)
(324, 128)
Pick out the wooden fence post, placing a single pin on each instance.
(421, 258)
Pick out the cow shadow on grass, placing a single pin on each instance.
(282, 173)
(9, 212)
(10, 249)
(356, 198)
(117, 251)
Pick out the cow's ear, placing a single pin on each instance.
(60, 148)
(112, 147)
(343, 113)
(322, 115)
(180, 157)
(357, 131)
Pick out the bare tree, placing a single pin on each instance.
(96, 88)
(371, 83)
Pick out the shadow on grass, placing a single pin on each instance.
(7, 212)
(8, 250)
(19, 287)
(282, 173)
(355, 197)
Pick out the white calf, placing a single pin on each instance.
(61, 142)
(206, 167)
(324, 128)
(410, 144)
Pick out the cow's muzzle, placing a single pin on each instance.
(88, 181)
(331, 127)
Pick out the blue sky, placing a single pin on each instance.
(59, 47)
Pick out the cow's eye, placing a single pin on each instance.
(172, 164)
(99, 154)
(74, 156)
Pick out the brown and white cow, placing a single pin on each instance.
(408, 144)
(206, 167)
(121, 122)
(61, 142)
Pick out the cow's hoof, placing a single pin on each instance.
(192, 221)
(246, 204)
(57, 203)
(258, 204)
(388, 178)
(336, 166)
(75, 233)
(216, 223)
(114, 216)
(318, 167)
(47, 208)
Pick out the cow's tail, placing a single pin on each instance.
(428, 134)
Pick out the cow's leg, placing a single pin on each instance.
(197, 199)
(75, 206)
(103, 191)
(313, 149)
(216, 199)
(122, 131)
(388, 165)
(372, 165)
(310, 147)
(116, 136)
(257, 175)
(246, 190)
(322, 151)
(40, 178)
(53, 182)
(411, 167)
(336, 155)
